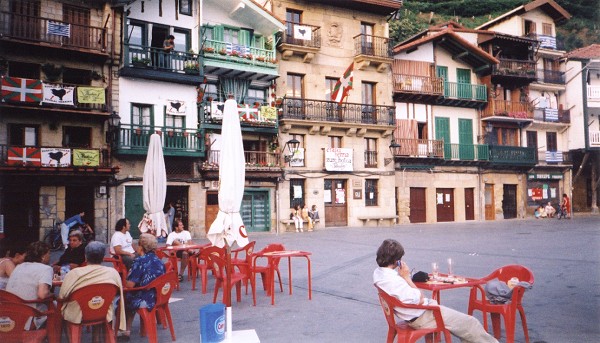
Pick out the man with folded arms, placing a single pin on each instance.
(180, 237)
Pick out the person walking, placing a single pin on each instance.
(567, 205)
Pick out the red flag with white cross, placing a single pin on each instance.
(344, 85)
(28, 156)
(16, 89)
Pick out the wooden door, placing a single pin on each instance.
(490, 211)
(211, 209)
(25, 22)
(134, 208)
(466, 149)
(469, 204)
(445, 204)
(79, 18)
(336, 211)
(418, 205)
(509, 201)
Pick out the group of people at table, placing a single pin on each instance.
(25, 271)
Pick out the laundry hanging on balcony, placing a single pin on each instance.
(16, 89)
(58, 94)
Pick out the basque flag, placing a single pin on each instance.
(21, 90)
(18, 156)
(344, 85)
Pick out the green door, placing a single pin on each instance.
(463, 78)
(134, 208)
(255, 211)
(442, 132)
(442, 72)
(465, 139)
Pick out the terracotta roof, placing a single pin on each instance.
(587, 52)
(551, 8)
(381, 7)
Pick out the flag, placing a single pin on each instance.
(58, 94)
(175, 107)
(91, 95)
(24, 156)
(56, 157)
(59, 29)
(302, 32)
(86, 157)
(21, 90)
(344, 85)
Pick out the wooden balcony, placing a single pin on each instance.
(154, 64)
(134, 140)
(52, 33)
(503, 110)
(255, 160)
(419, 148)
(552, 115)
(331, 111)
(514, 70)
(306, 48)
(551, 76)
(502, 155)
(463, 95)
(417, 88)
(554, 157)
(373, 51)
(466, 152)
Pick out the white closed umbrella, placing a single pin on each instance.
(154, 189)
(228, 228)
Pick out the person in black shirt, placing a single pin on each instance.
(74, 256)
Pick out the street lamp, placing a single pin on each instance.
(394, 146)
(489, 127)
(292, 146)
(113, 120)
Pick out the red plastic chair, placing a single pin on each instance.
(404, 332)
(14, 318)
(171, 263)
(197, 263)
(221, 270)
(478, 301)
(242, 259)
(94, 302)
(54, 317)
(163, 286)
(204, 265)
(263, 270)
(118, 264)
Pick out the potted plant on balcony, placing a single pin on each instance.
(140, 62)
(208, 49)
(261, 58)
(52, 72)
(223, 52)
(191, 67)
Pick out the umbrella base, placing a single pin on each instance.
(243, 336)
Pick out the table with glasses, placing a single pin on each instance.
(271, 261)
(443, 282)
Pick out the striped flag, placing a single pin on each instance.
(16, 89)
(59, 29)
(344, 85)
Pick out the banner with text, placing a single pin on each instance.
(338, 159)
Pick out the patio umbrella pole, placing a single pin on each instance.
(227, 288)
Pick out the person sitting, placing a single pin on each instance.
(11, 254)
(539, 212)
(398, 283)
(32, 279)
(69, 223)
(121, 243)
(179, 237)
(144, 270)
(74, 256)
(297, 218)
(314, 214)
(306, 217)
(92, 273)
(550, 210)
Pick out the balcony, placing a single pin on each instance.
(552, 115)
(256, 118)
(59, 97)
(302, 44)
(502, 155)
(513, 111)
(419, 148)
(372, 51)
(333, 112)
(53, 33)
(554, 157)
(248, 62)
(463, 95)
(152, 63)
(134, 140)
(466, 152)
(593, 94)
(255, 160)
(417, 88)
(595, 139)
(551, 76)
(547, 42)
(512, 69)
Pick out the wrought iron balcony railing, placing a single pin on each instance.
(302, 38)
(261, 160)
(135, 139)
(331, 111)
(594, 138)
(370, 45)
(466, 152)
(53, 157)
(258, 114)
(547, 42)
(551, 76)
(143, 57)
(554, 157)
(424, 148)
(517, 68)
(512, 155)
(55, 32)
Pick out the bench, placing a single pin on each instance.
(378, 219)
(289, 222)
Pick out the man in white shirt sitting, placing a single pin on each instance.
(179, 237)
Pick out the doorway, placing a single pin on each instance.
(80, 199)
(336, 211)
(489, 202)
(469, 203)
(418, 205)
(255, 211)
(134, 208)
(445, 204)
(211, 209)
(159, 34)
(509, 201)
(21, 212)
(178, 195)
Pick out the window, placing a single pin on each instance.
(294, 86)
(255, 95)
(371, 192)
(532, 139)
(292, 17)
(370, 153)
(296, 192)
(551, 144)
(507, 136)
(23, 135)
(547, 29)
(175, 122)
(182, 40)
(142, 115)
(335, 142)
(77, 137)
(366, 43)
(185, 7)
(329, 87)
(368, 115)
(77, 76)
(137, 34)
(24, 70)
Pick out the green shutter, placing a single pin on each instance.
(244, 37)
(218, 33)
(465, 139)
(442, 132)
(442, 72)
(463, 78)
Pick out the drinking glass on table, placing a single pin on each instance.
(450, 268)
(435, 269)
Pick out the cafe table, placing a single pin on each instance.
(172, 250)
(271, 261)
(443, 282)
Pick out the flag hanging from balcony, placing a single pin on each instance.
(59, 29)
(18, 156)
(15, 89)
(56, 157)
(176, 107)
(86, 157)
(91, 95)
(344, 85)
(302, 32)
(58, 94)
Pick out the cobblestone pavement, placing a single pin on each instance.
(563, 306)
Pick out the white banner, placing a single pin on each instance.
(338, 159)
(54, 157)
(298, 158)
(216, 110)
(176, 107)
(302, 32)
(58, 94)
